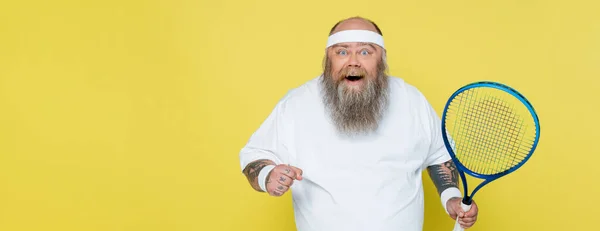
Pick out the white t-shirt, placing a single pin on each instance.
(368, 183)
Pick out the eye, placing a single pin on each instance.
(342, 52)
(364, 52)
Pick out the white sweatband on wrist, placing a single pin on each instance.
(262, 176)
(447, 194)
(366, 36)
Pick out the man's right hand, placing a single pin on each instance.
(281, 178)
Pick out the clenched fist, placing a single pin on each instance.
(281, 178)
(465, 219)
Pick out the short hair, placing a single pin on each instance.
(356, 17)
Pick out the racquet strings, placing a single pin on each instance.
(489, 130)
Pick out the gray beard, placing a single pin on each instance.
(355, 112)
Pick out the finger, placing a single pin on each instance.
(472, 212)
(276, 193)
(466, 225)
(283, 179)
(298, 172)
(288, 171)
(466, 222)
(469, 219)
(279, 189)
(462, 223)
(453, 216)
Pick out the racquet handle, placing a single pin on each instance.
(465, 208)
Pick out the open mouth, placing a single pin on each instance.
(353, 78)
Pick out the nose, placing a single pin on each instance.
(353, 61)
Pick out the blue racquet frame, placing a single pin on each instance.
(461, 168)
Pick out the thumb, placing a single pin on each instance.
(456, 210)
(298, 172)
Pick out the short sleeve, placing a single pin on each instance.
(268, 141)
(437, 150)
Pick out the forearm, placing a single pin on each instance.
(252, 170)
(444, 176)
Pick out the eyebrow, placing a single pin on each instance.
(367, 44)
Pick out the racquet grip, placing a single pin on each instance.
(465, 208)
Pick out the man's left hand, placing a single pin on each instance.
(465, 219)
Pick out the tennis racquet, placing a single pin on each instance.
(490, 130)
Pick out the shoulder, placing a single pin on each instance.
(407, 91)
(412, 102)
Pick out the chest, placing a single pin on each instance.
(398, 148)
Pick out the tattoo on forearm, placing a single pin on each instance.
(444, 175)
(253, 169)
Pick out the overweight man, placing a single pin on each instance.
(351, 144)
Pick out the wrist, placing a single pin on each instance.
(262, 177)
(448, 194)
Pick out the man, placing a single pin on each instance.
(351, 144)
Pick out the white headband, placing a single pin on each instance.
(355, 36)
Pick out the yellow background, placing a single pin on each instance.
(129, 115)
